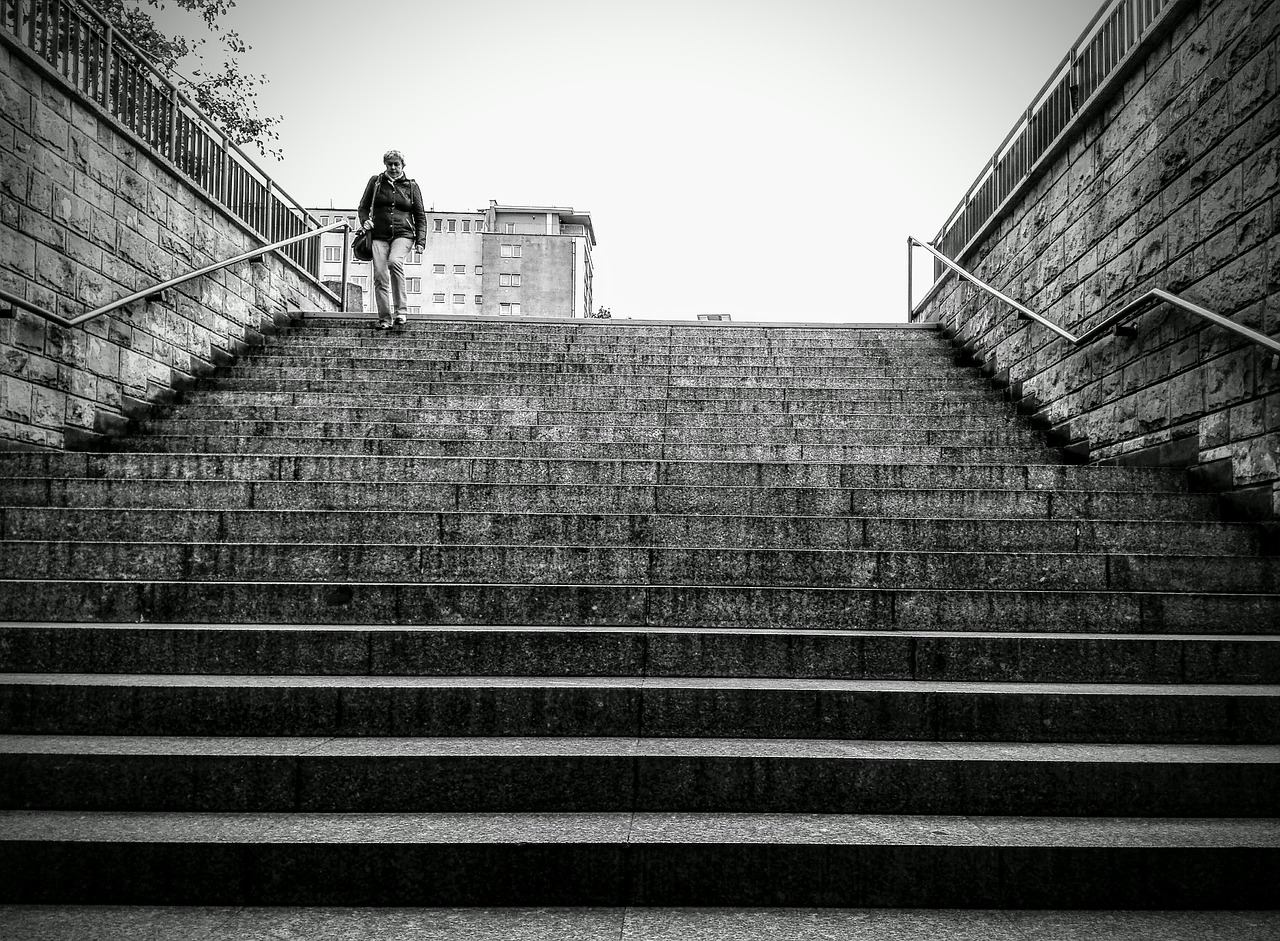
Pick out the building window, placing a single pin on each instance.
(360, 279)
(459, 269)
(415, 310)
(333, 253)
(511, 251)
(479, 299)
(459, 298)
(413, 258)
(324, 220)
(413, 285)
(453, 225)
(466, 225)
(508, 280)
(479, 269)
(437, 269)
(512, 309)
(439, 225)
(437, 298)
(511, 228)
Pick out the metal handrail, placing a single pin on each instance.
(1078, 84)
(181, 279)
(78, 44)
(1149, 299)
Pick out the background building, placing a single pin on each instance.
(519, 261)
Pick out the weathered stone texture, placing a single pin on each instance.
(1174, 184)
(88, 215)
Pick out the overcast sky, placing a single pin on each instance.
(761, 159)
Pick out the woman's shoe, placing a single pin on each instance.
(384, 325)
(401, 320)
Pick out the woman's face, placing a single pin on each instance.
(395, 169)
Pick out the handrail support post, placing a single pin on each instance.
(346, 251)
(910, 293)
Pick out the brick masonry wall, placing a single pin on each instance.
(1175, 184)
(87, 215)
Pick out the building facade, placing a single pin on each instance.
(518, 261)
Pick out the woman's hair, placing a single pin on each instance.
(392, 155)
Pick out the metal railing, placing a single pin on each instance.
(1113, 323)
(1115, 31)
(61, 321)
(80, 44)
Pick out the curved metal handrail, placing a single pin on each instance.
(181, 279)
(1147, 300)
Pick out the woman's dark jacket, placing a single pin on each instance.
(396, 208)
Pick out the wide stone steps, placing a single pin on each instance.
(527, 421)
(573, 359)
(626, 858)
(661, 707)
(625, 565)
(626, 335)
(426, 528)
(532, 492)
(568, 614)
(498, 405)
(425, 378)
(128, 466)
(645, 775)
(680, 443)
(881, 362)
(586, 450)
(737, 607)
(388, 389)
(504, 650)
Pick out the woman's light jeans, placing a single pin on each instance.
(388, 277)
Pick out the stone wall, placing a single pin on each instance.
(88, 214)
(1173, 184)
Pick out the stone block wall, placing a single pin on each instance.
(88, 214)
(1174, 184)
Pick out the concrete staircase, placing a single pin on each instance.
(497, 613)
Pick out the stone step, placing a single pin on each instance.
(498, 420)
(735, 397)
(638, 435)
(661, 353)
(611, 775)
(617, 923)
(210, 394)
(618, 369)
(650, 707)
(368, 468)
(893, 362)
(610, 451)
(424, 380)
(632, 334)
(183, 524)
(624, 858)
(630, 566)
(634, 348)
(503, 650)
(524, 488)
(627, 332)
(731, 607)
